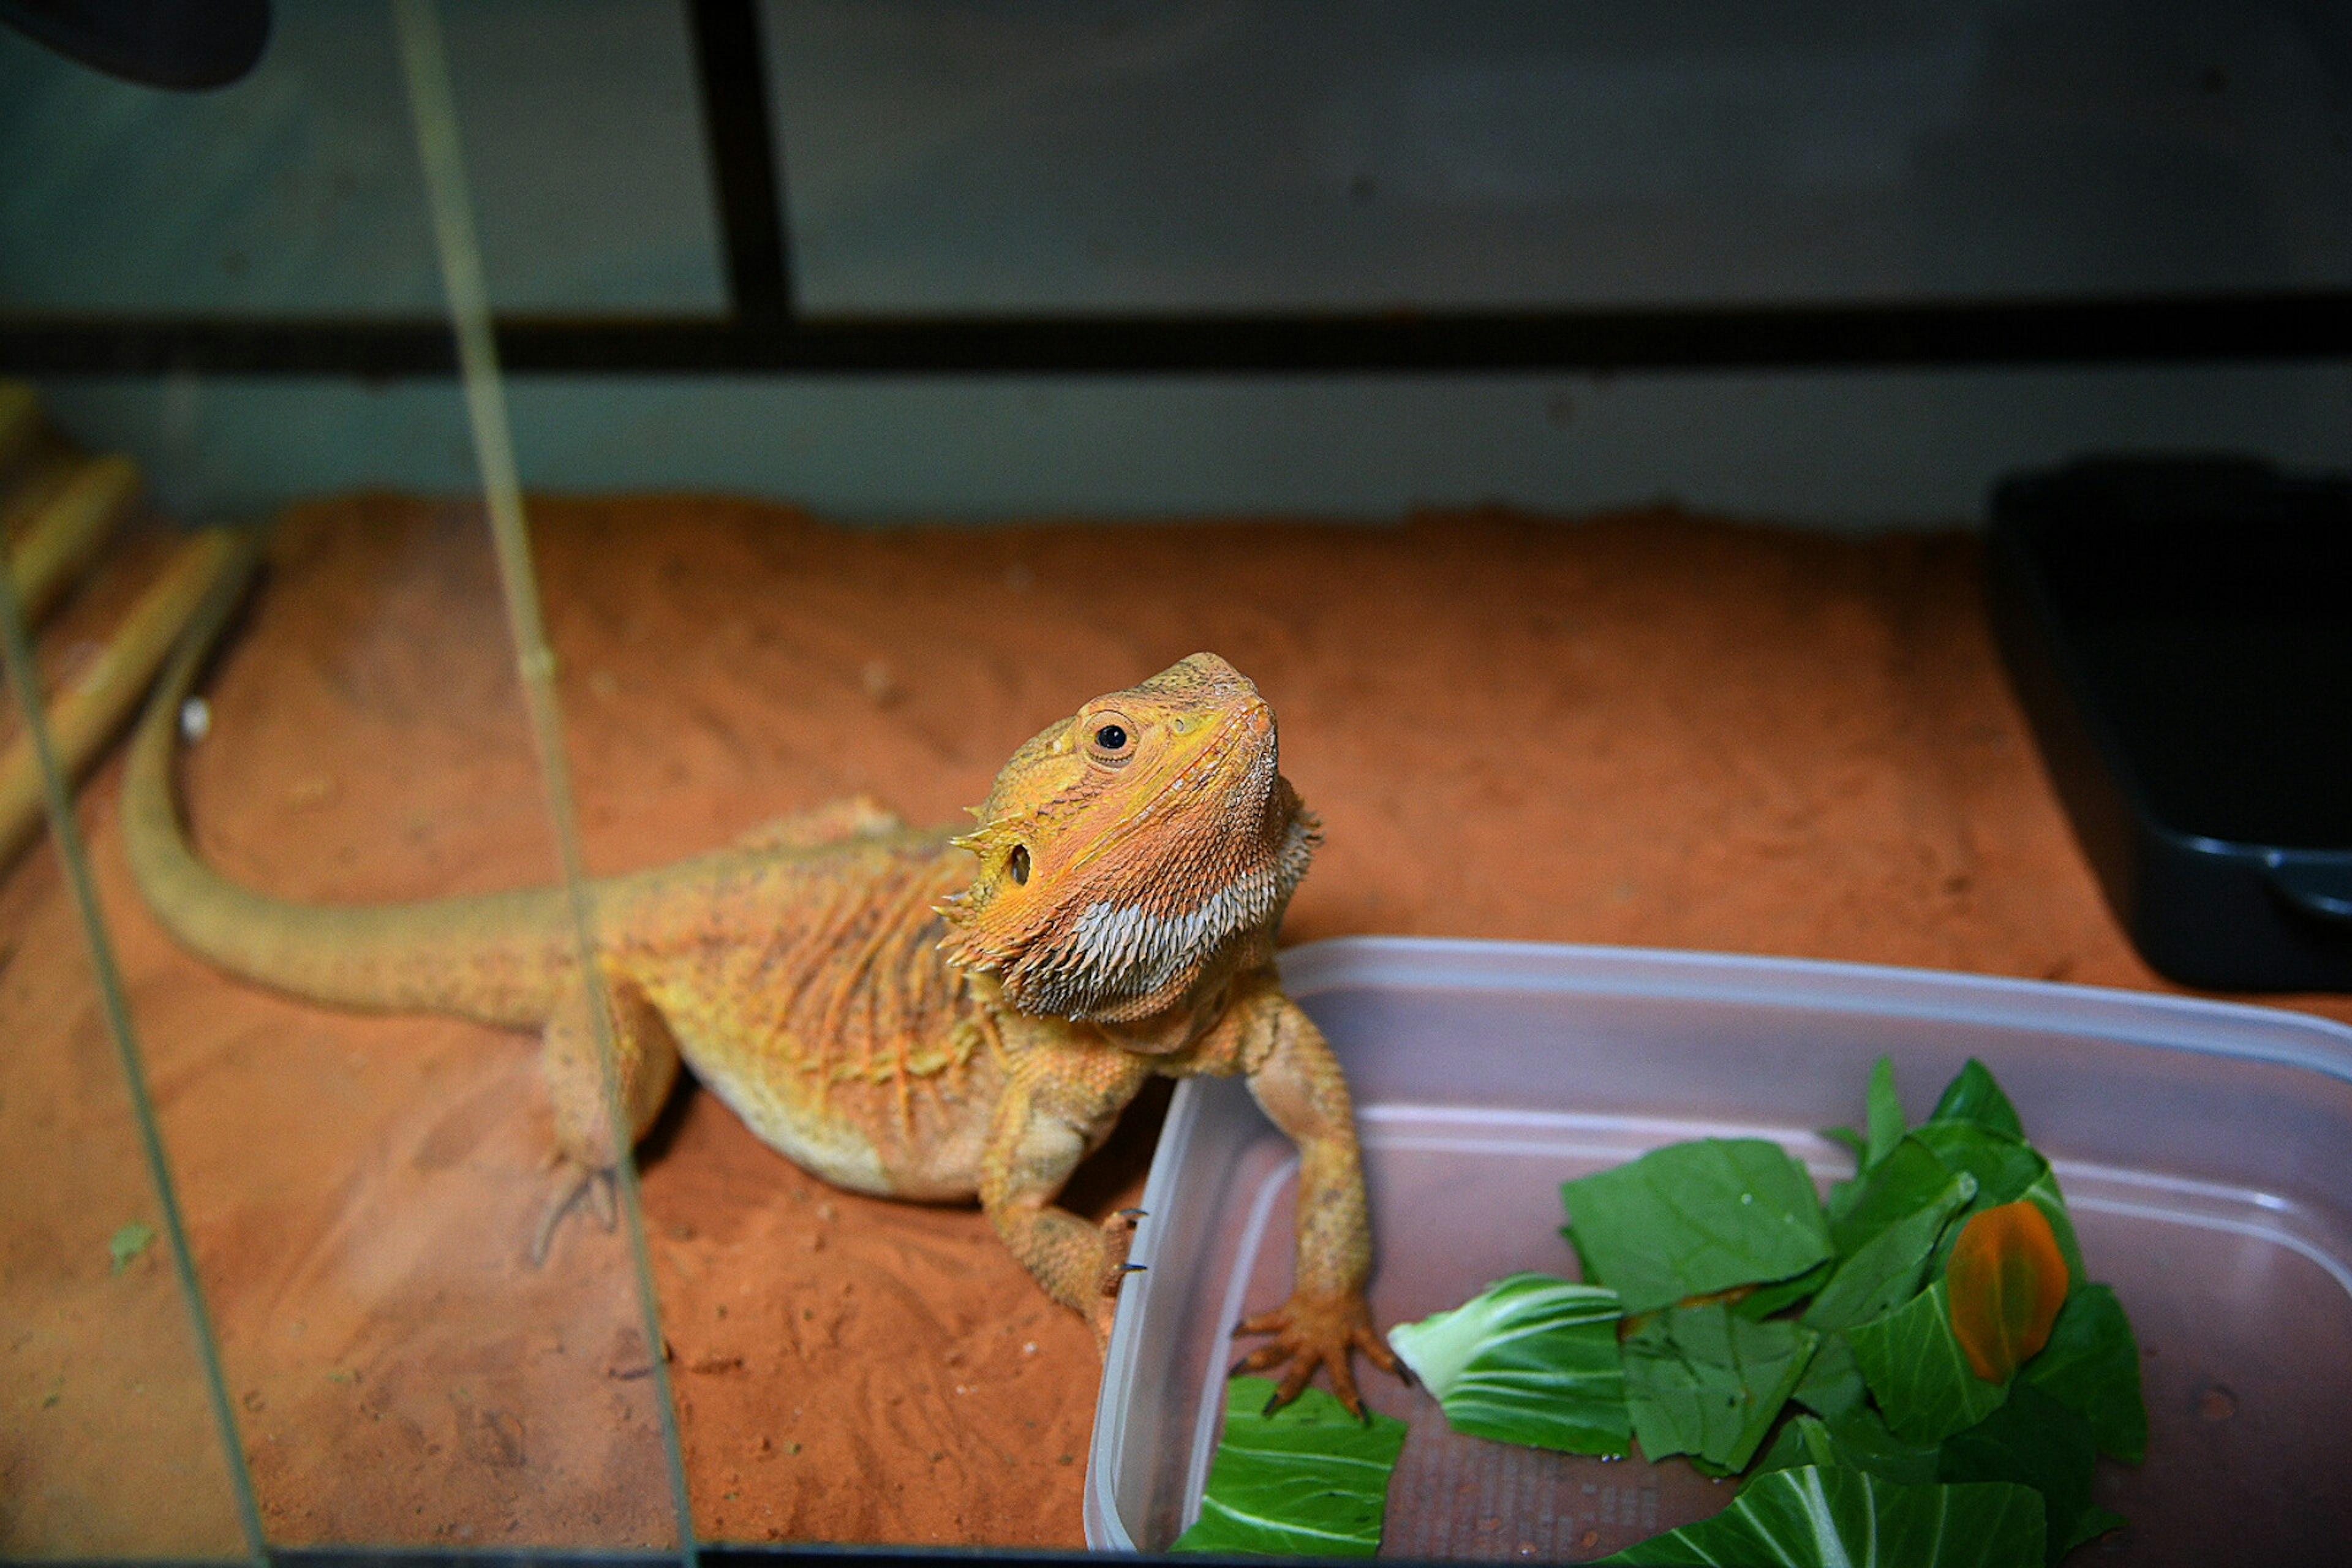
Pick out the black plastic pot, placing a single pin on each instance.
(2179, 631)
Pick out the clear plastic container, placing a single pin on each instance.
(2204, 1148)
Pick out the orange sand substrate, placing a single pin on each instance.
(1645, 728)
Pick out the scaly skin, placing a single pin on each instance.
(888, 1017)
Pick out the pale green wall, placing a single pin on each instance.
(1131, 156)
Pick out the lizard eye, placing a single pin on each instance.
(1018, 864)
(1111, 742)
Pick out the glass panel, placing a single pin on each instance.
(849, 1367)
(296, 190)
(351, 1089)
(113, 1443)
(366, 1169)
(1034, 154)
(362, 1192)
(363, 1189)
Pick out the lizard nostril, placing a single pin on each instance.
(1018, 864)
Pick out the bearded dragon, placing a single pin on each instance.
(909, 1013)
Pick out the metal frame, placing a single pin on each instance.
(764, 331)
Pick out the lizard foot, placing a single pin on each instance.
(1118, 1236)
(573, 1182)
(1312, 1330)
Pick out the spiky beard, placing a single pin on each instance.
(1133, 937)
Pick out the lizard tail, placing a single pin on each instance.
(500, 958)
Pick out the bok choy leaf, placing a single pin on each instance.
(1706, 1381)
(1692, 1219)
(1810, 1514)
(1531, 1360)
(1307, 1480)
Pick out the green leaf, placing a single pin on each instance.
(1885, 1271)
(1884, 1113)
(1898, 1186)
(1813, 1515)
(1917, 1371)
(1832, 1381)
(128, 1243)
(1802, 1441)
(1695, 1218)
(1706, 1382)
(1972, 1096)
(1530, 1359)
(2091, 1365)
(2004, 1166)
(1307, 1480)
(2036, 1442)
(1859, 1441)
(1854, 1143)
(2096, 1521)
(1867, 1443)
(2006, 1171)
(1765, 1300)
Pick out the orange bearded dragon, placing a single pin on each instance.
(898, 1011)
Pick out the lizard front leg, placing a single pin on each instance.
(1297, 1081)
(645, 1062)
(1058, 1104)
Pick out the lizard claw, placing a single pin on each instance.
(574, 1182)
(1311, 1331)
(1117, 1233)
(1118, 1236)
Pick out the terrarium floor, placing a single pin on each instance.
(1646, 729)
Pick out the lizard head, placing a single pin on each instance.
(1130, 850)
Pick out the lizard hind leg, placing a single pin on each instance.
(645, 1062)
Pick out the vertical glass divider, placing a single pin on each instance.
(432, 105)
(25, 675)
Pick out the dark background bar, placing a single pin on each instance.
(730, 72)
(2293, 326)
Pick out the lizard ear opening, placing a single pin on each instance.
(1018, 864)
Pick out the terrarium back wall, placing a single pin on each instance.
(978, 157)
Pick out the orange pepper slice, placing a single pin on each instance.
(2006, 1280)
